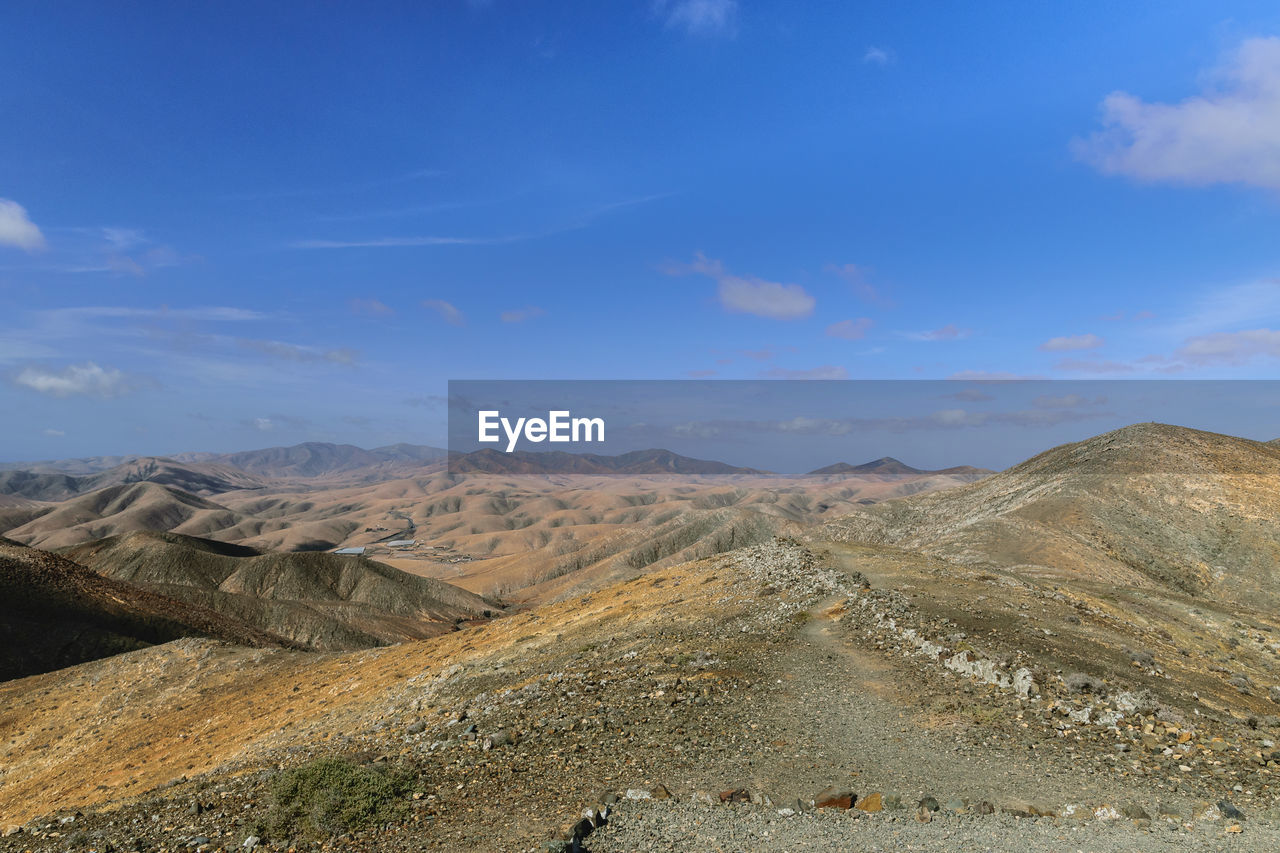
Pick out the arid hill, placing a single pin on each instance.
(654, 461)
(772, 669)
(121, 509)
(58, 613)
(489, 533)
(201, 478)
(15, 511)
(1146, 505)
(536, 537)
(320, 601)
(887, 466)
(321, 460)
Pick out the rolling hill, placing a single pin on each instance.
(197, 478)
(321, 601)
(654, 461)
(59, 613)
(124, 508)
(887, 466)
(320, 460)
(1149, 504)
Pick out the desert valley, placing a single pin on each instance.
(324, 647)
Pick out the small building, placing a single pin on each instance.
(402, 543)
(355, 552)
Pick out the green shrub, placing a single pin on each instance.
(330, 796)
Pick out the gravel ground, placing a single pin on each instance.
(652, 826)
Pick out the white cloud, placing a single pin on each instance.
(1231, 348)
(54, 433)
(751, 295)
(519, 315)
(263, 424)
(1228, 134)
(700, 17)
(878, 56)
(447, 312)
(826, 371)
(1072, 343)
(17, 229)
(86, 379)
(849, 330)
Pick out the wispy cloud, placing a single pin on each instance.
(214, 313)
(1228, 134)
(941, 419)
(990, 376)
(949, 332)
(295, 352)
(53, 433)
(583, 220)
(519, 315)
(1221, 309)
(272, 423)
(700, 17)
(34, 334)
(85, 380)
(369, 308)
(743, 295)
(328, 189)
(17, 229)
(856, 276)
(878, 56)
(850, 330)
(446, 310)
(109, 249)
(407, 242)
(1072, 343)
(1094, 367)
(826, 371)
(1230, 348)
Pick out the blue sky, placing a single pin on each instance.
(233, 225)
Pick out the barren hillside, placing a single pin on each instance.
(1147, 505)
(773, 671)
(121, 509)
(58, 613)
(321, 601)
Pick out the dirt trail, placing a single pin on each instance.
(849, 718)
